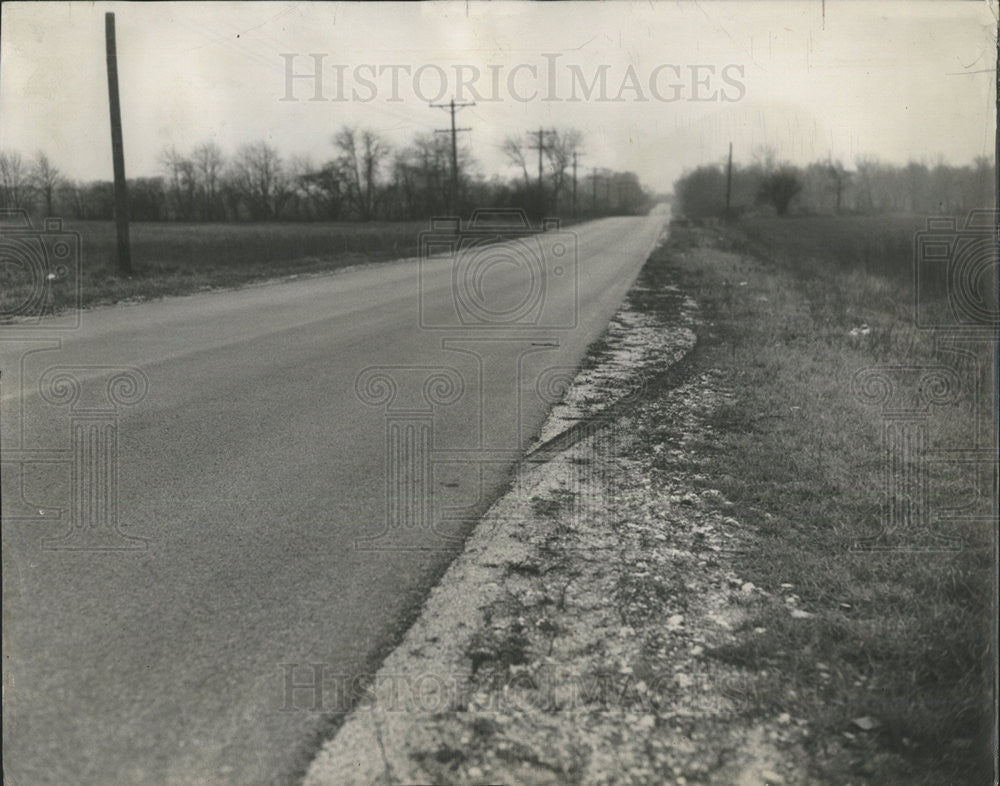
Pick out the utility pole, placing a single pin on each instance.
(593, 188)
(574, 184)
(117, 149)
(540, 147)
(452, 106)
(729, 181)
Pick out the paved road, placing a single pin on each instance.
(254, 543)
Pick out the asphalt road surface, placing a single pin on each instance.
(212, 501)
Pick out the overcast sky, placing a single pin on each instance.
(670, 83)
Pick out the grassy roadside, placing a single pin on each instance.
(171, 258)
(888, 657)
(670, 596)
(178, 258)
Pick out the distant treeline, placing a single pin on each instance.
(829, 187)
(365, 179)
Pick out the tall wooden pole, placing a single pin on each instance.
(117, 150)
(574, 184)
(454, 158)
(540, 147)
(452, 106)
(729, 181)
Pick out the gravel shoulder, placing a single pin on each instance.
(567, 643)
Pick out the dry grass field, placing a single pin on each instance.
(177, 258)
(892, 660)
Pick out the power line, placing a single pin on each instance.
(574, 183)
(729, 181)
(452, 107)
(540, 147)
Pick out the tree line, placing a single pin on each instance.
(830, 187)
(364, 179)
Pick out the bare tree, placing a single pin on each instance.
(14, 181)
(362, 156)
(182, 183)
(70, 198)
(984, 180)
(421, 175)
(326, 188)
(766, 158)
(840, 178)
(559, 149)
(258, 177)
(779, 188)
(307, 200)
(208, 164)
(516, 155)
(46, 180)
(867, 169)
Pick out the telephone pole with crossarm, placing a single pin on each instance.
(452, 107)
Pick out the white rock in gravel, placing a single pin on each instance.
(866, 723)
(729, 521)
(748, 588)
(675, 621)
(800, 614)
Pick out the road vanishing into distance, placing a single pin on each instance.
(214, 503)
